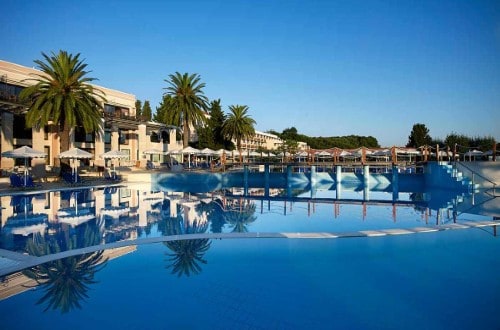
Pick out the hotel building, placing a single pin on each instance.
(121, 130)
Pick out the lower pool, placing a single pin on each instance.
(375, 263)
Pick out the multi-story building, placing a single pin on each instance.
(266, 141)
(121, 130)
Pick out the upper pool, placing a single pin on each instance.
(320, 257)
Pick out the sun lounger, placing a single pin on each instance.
(15, 180)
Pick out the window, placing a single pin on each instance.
(154, 137)
(109, 109)
(123, 137)
(19, 130)
(107, 136)
(126, 151)
(46, 149)
(81, 136)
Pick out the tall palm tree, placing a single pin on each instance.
(240, 219)
(62, 96)
(66, 281)
(187, 255)
(238, 125)
(188, 104)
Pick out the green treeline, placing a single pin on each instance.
(343, 142)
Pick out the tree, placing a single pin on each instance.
(189, 103)
(289, 134)
(66, 281)
(238, 125)
(165, 112)
(146, 111)
(419, 136)
(216, 123)
(138, 109)
(63, 96)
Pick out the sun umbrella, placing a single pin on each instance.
(75, 153)
(207, 152)
(114, 154)
(24, 152)
(190, 151)
(154, 151)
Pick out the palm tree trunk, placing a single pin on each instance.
(185, 137)
(238, 144)
(64, 142)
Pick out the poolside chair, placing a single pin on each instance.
(70, 178)
(29, 181)
(112, 176)
(150, 165)
(15, 181)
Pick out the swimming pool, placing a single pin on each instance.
(297, 257)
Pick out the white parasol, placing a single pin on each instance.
(75, 153)
(24, 152)
(114, 154)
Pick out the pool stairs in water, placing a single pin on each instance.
(445, 175)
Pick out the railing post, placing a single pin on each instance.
(266, 179)
(245, 179)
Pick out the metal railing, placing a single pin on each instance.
(474, 175)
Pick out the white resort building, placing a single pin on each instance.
(121, 130)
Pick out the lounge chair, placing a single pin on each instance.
(112, 177)
(70, 178)
(29, 181)
(16, 181)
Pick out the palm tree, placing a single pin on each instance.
(239, 219)
(62, 96)
(66, 281)
(187, 254)
(238, 125)
(189, 104)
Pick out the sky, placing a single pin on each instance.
(327, 68)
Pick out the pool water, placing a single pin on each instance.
(431, 280)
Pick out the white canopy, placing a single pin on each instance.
(207, 151)
(24, 152)
(190, 150)
(75, 153)
(153, 151)
(114, 154)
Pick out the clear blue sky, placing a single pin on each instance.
(328, 68)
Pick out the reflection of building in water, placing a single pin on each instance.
(16, 283)
(191, 215)
(119, 211)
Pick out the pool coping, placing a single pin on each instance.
(11, 262)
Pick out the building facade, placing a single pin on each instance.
(121, 130)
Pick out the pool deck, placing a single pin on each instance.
(89, 181)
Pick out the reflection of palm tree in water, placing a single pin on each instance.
(214, 213)
(66, 281)
(187, 254)
(240, 217)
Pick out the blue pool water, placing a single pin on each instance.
(432, 280)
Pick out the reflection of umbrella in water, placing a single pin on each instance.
(75, 153)
(25, 153)
(74, 216)
(25, 223)
(115, 211)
